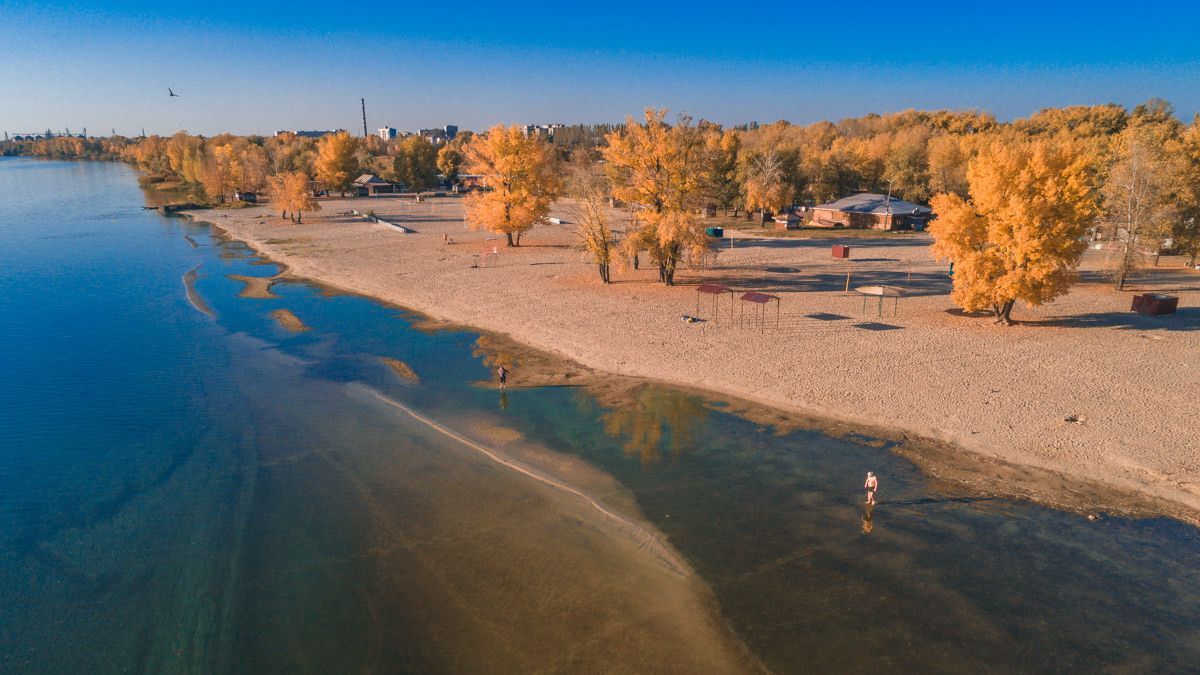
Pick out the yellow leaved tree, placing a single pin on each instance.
(659, 169)
(1021, 234)
(292, 193)
(520, 174)
(337, 161)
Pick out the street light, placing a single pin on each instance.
(889, 203)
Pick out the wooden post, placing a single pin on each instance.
(847, 276)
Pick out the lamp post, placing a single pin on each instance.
(889, 203)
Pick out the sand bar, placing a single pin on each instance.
(193, 296)
(255, 287)
(290, 321)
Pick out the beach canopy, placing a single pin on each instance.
(716, 291)
(759, 303)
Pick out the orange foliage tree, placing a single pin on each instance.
(659, 168)
(337, 161)
(520, 174)
(1021, 234)
(293, 195)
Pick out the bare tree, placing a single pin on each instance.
(1138, 197)
(590, 188)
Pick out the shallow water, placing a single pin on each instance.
(183, 493)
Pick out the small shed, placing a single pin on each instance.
(370, 185)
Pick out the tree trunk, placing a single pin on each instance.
(1003, 312)
(299, 216)
(518, 237)
(1126, 261)
(635, 261)
(510, 239)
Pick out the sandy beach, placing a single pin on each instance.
(1082, 405)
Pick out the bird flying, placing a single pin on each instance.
(172, 92)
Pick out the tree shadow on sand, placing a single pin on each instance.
(1186, 319)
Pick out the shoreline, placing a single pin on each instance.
(954, 462)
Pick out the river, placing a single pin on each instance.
(190, 483)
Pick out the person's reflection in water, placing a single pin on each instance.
(504, 400)
(868, 519)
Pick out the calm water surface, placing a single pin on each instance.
(183, 493)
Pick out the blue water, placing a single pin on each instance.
(183, 493)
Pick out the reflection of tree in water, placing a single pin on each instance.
(655, 420)
(492, 352)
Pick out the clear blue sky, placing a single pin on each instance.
(257, 67)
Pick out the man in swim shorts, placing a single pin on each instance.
(871, 485)
(503, 373)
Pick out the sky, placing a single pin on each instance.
(260, 67)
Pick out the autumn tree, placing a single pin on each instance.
(655, 167)
(293, 195)
(906, 164)
(289, 152)
(449, 161)
(249, 166)
(722, 182)
(217, 174)
(765, 183)
(1020, 235)
(1186, 229)
(1139, 197)
(520, 174)
(414, 163)
(948, 156)
(589, 187)
(186, 156)
(337, 163)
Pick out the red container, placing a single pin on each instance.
(1154, 304)
(841, 252)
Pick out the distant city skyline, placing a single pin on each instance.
(259, 69)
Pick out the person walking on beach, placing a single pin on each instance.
(871, 485)
(503, 373)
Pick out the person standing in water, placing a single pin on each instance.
(871, 485)
(503, 373)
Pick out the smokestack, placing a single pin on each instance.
(364, 109)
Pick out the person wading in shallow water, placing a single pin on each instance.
(871, 485)
(503, 373)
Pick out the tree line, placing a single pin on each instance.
(1015, 200)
